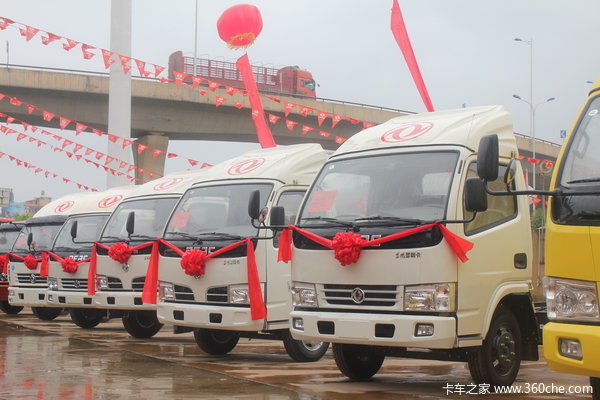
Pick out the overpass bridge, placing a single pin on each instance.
(162, 111)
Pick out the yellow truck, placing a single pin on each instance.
(572, 337)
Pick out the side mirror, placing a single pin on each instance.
(278, 217)
(475, 195)
(74, 230)
(511, 172)
(130, 224)
(487, 158)
(254, 204)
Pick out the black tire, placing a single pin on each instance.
(498, 359)
(46, 313)
(141, 324)
(86, 318)
(8, 309)
(303, 351)
(358, 362)
(216, 342)
(595, 384)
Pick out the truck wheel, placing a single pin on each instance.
(595, 384)
(46, 313)
(8, 309)
(86, 318)
(216, 342)
(141, 324)
(358, 362)
(498, 359)
(303, 351)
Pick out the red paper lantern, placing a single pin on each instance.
(240, 25)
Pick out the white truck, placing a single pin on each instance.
(9, 231)
(217, 302)
(137, 221)
(407, 293)
(26, 286)
(67, 268)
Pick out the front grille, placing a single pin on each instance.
(184, 293)
(74, 284)
(217, 295)
(374, 295)
(137, 284)
(114, 283)
(31, 280)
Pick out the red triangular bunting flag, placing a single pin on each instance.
(141, 148)
(335, 119)
(85, 49)
(124, 63)
(15, 102)
(273, 118)
(213, 85)
(64, 122)
(47, 115)
(50, 38)
(21, 136)
(69, 44)
(66, 143)
(340, 140)
(113, 138)
(304, 111)
(107, 56)
(141, 66)
(179, 77)
(108, 160)
(158, 70)
(5, 22)
(123, 164)
(30, 108)
(219, 100)
(323, 133)
(287, 107)
(171, 155)
(88, 151)
(28, 32)
(231, 90)
(290, 124)
(238, 105)
(192, 162)
(196, 80)
(126, 142)
(321, 117)
(80, 128)
(98, 132)
(157, 152)
(99, 155)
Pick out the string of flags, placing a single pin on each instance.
(147, 69)
(64, 123)
(46, 173)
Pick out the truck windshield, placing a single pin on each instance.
(408, 186)
(42, 235)
(583, 154)
(215, 210)
(150, 218)
(88, 231)
(7, 238)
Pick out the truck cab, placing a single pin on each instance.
(393, 202)
(136, 222)
(218, 302)
(572, 337)
(9, 231)
(67, 266)
(27, 283)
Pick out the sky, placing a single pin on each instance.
(465, 49)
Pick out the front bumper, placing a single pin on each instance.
(375, 329)
(125, 300)
(59, 298)
(205, 316)
(33, 297)
(589, 338)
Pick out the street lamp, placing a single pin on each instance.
(532, 109)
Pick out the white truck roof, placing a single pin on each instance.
(290, 164)
(85, 202)
(175, 183)
(463, 126)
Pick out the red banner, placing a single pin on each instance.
(401, 36)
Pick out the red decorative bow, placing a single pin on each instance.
(347, 245)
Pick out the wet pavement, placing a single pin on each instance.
(58, 360)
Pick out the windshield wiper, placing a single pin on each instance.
(330, 220)
(142, 237)
(394, 220)
(587, 180)
(221, 235)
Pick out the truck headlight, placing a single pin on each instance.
(437, 297)
(571, 299)
(52, 284)
(101, 282)
(238, 294)
(304, 294)
(166, 291)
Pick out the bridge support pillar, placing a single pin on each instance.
(147, 160)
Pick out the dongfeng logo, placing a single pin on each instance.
(406, 132)
(358, 295)
(246, 166)
(77, 284)
(62, 207)
(109, 201)
(167, 183)
(32, 278)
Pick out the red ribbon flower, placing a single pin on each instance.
(69, 265)
(346, 247)
(120, 252)
(193, 262)
(30, 262)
